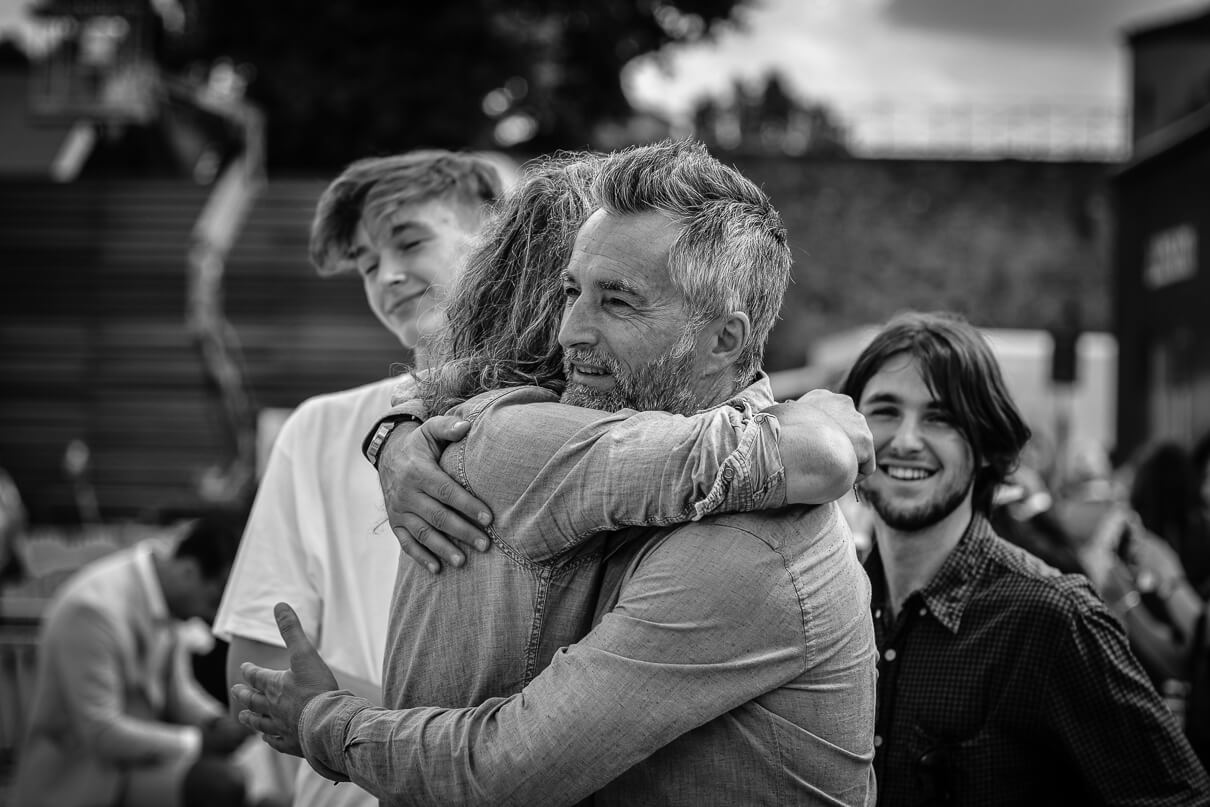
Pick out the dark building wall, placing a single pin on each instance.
(1170, 73)
(1163, 295)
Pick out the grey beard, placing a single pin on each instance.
(663, 386)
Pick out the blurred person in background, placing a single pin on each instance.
(1201, 468)
(13, 523)
(1140, 555)
(1001, 682)
(1152, 571)
(700, 627)
(116, 717)
(1165, 492)
(317, 534)
(1022, 513)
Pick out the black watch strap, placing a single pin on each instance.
(375, 440)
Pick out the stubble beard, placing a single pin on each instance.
(918, 517)
(663, 385)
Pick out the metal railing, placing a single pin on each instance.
(1026, 130)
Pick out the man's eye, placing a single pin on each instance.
(617, 302)
(368, 269)
(570, 293)
(881, 412)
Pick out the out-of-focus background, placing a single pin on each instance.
(1042, 167)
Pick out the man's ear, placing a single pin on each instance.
(728, 336)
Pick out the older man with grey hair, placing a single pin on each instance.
(731, 659)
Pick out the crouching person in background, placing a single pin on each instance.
(117, 717)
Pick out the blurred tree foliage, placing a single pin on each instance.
(341, 80)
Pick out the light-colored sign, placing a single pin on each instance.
(1171, 256)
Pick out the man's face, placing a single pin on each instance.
(624, 324)
(925, 464)
(196, 595)
(407, 262)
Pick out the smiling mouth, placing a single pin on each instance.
(902, 474)
(590, 375)
(403, 301)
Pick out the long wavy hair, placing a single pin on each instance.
(503, 313)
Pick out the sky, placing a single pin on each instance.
(885, 65)
(869, 58)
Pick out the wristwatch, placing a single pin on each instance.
(376, 439)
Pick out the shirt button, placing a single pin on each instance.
(878, 614)
(877, 741)
(889, 655)
(923, 611)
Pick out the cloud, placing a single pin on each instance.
(1070, 21)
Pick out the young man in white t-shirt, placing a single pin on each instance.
(317, 535)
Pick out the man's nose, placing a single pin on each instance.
(907, 436)
(577, 327)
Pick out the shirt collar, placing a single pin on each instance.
(947, 594)
(157, 605)
(753, 398)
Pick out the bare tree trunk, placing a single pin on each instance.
(215, 338)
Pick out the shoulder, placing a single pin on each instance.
(501, 400)
(1015, 580)
(784, 527)
(353, 409)
(768, 539)
(376, 395)
(96, 597)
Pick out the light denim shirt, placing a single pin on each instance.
(726, 630)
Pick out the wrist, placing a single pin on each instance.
(376, 441)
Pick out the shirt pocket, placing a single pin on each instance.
(986, 768)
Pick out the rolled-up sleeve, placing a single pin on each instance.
(556, 475)
(670, 657)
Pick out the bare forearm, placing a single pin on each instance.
(820, 460)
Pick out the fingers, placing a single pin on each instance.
(446, 427)
(278, 744)
(452, 509)
(415, 550)
(863, 446)
(257, 722)
(291, 629)
(433, 525)
(261, 678)
(250, 698)
(446, 525)
(444, 488)
(424, 539)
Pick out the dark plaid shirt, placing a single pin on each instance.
(1002, 682)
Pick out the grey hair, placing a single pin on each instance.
(731, 253)
(504, 311)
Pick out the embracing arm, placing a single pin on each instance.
(649, 672)
(611, 470)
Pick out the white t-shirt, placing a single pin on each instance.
(318, 539)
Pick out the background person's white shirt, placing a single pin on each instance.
(318, 539)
